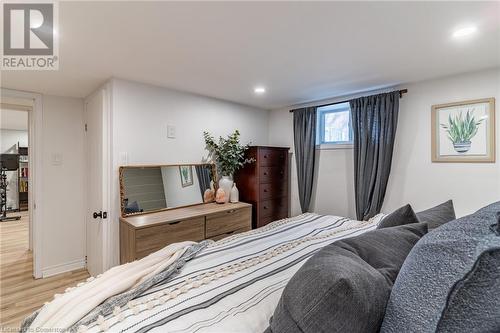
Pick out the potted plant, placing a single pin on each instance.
(228, 155)
(461, 130)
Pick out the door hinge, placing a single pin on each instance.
(85, 127)
(85, 260)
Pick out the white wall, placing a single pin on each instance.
(8, 145)
(414, 178)
(63, 224)
(140, 114)
(10, 138)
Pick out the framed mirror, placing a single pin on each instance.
(147, 189)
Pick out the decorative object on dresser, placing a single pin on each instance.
(143, 234)
(229, 156)
(220, 196)
(264, 184)
(209, 195)
(235, 194)
(225, 185)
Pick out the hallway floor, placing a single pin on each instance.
(20, 293)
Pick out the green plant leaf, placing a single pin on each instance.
(227, 153)
(462, 129)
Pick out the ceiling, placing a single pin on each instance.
(300, 51)
(13, 120)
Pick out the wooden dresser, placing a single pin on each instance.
(141, 235)
(264, 184)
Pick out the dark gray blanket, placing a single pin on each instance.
(447, 266)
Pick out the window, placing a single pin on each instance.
(334, 125)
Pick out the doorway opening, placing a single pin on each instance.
(14, 161)
(15, 184)
(22, 111)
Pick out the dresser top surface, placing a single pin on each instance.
(172, 215)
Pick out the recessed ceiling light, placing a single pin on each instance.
(259, 90)
(465, 31)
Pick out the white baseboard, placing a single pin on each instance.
(63, 268)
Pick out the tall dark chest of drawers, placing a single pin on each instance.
(264, 184)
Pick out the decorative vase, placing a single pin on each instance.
(235, 194)
(226, 183)
(221, 196)
(208, 196)
(462, 147)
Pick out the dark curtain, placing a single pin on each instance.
(203, 174)
(304, 134)
(374, 122)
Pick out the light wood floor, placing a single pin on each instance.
(20, 294)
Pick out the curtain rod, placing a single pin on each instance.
(401, 92)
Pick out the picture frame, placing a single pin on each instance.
(464, 132)
(186, 172)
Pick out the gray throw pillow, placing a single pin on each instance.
(450, 280)
(439, 215)
(345, 286)
(400, 216)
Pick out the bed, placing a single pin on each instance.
(232, 285)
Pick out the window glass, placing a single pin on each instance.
(334, 124)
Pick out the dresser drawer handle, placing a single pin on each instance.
(231, 211)
(265, 173)
(265, 156)
(265, 190)
(265, 207)
(176, 222)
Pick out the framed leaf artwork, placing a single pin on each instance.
(464, 131)
(186, 172)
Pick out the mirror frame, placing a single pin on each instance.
(122, 189)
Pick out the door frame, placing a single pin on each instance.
(35, 204)
(106, 174)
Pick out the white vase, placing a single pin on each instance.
(226, 183)
(235, 194)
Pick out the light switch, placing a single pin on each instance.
(171, 131)
(57, 159)
(123, 157)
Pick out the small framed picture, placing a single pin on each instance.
(186, 172)
(464, 131)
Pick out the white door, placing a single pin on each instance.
(96, 174)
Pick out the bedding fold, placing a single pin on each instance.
(114, 288)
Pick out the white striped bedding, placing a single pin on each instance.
(234, 284)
